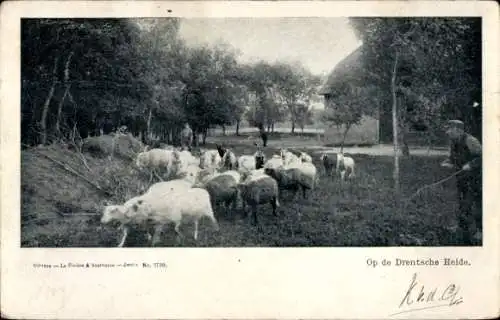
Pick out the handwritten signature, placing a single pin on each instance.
(428, 298)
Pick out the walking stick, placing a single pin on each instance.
(432, 185)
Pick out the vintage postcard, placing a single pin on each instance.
(249, 160)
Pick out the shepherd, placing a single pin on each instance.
(187, 137)
(263, 134)
(466, 156)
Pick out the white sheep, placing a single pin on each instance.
(122, 214)
(229, 160)
(164, 204)
(246, 163)
(259, 189)
(247, 175)
(345, 166)
(156, 160)
(210, 159)
(342, 164)
(190, 174)
(302, 175)
(304, 157)
(125, 217)
(177, 205)
(182, 160)
(161, 188)
(273, 163)
(289, 158)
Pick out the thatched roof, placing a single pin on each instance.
(344, 70)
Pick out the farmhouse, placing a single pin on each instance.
(370, 130)
(377, 128)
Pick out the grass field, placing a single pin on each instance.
(57, 206)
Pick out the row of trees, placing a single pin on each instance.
(80, 76)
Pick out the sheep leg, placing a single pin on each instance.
(304, 192)
(295, 189)
(196, 229)
(156, 236)
(178, 231)
(125, 234)
(274, 204)
(254, 215)
(156, 174)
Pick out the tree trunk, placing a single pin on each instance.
(238, 127)
(403, 130)
(395, 127)
(347, 127)
(148, 126)
(170, 138)
(223, 130)
(204, 137)
(272, 127)
(405, 149)
(45, 111)
(66, 90)
(59, 111)
(293, 125)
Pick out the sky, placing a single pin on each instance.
(319, 43)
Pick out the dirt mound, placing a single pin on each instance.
(63, 192)
(118, 145)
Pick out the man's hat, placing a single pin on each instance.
(455, 124)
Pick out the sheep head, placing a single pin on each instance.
(112, 213)
(222, 151)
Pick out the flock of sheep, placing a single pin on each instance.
(193, 187)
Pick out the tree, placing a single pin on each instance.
(303, 115)
(350, 101)
(62, 62)
(420, 60)
(296, 85)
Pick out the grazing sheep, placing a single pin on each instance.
(165, 204)
(161, 188)
(121, 214)
(345, 166)
(246, 163)
(189, 173)
(191, 204)
(206, 174)
(329, 162)
(229, 160)
(342, 164)
(304, 157)
(289, 158)
(275, 162)
(221, 150)
(303, 175)
(247, 175)
(183, 159)
(259, 189)
(156, 160)
(223, 188)
(210, 159)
